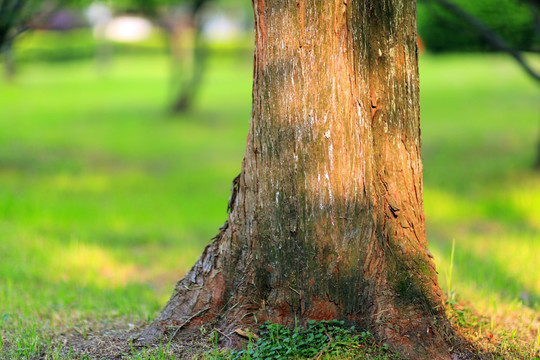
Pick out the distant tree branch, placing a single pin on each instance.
(11, 22)
(17, 16)
(491, 36)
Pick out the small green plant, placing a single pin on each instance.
(450, 271)
(462, 316)
(215, 338)
(536, 346)
(324, 338)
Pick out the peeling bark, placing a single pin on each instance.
(326, 219)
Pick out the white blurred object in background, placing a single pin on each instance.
(121, 28)
(99, 15)
(219, 27)
(128, 29)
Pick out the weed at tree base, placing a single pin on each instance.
(320, 339)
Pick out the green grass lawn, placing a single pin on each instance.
(481, 126)
(106, 199)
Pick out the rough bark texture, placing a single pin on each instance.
(326, 218)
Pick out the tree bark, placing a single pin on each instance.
(326, 219)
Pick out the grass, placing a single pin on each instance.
(325, 339)
(480, 189)
(106, 200)
(480, 132)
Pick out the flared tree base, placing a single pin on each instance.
(205, 297)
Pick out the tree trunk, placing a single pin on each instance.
(9, 62)
(326, 218)
(537, 161)
(188, 62)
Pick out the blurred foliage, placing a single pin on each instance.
(17, 16)
(152, 7)
(443, 31)
(52, 46)
(77, 44)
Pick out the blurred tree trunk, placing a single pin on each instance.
(9, 62)
(11, 25)
(537, 163)
(534, 5)
(326, 219)
(16, 17)
(188, 55)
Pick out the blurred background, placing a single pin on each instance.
(123, 123)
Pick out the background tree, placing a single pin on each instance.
(16, 17)
(180, 21)
(326, 218)
(188, 61)
(522, 33)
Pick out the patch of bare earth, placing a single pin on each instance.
(513, 336)
(118, 343)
